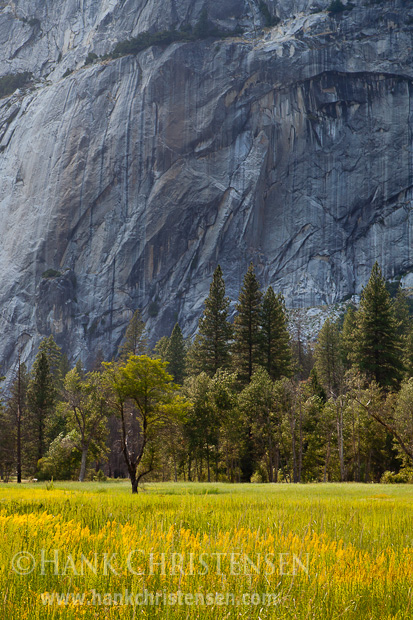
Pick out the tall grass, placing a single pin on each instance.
(320, 551)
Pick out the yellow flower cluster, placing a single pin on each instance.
(73, 552)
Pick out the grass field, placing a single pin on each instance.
(217, 551)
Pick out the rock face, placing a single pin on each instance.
(134, 177)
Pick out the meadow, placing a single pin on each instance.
(191, 550)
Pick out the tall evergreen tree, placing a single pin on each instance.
(175, 355)
(348, 336)
(53, 353)
(211, 349)
(17, 412)
(328, 358)
(134, 341)
(275, 339)
(161, 348)
(378, 350)
(408, 353)
(7, 444)
(7, 441)
(247, 339)
(41, 398)
(401, 312)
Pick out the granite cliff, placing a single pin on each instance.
(126, 180)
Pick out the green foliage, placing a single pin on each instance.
(270, 20)
(134, 341)
(62, 460)
(161, 348)
(7, 443)
(402, 312)
(202, 30)
(153, 309)
(52, 351)
(211, 349)
(274, 335)
(247, 338)
(91, 58)
(336, 6)
(408, 352)
(34, 22)
(41, 398)
(404, 476)
(51, 273)
(203, 26)
(10, 83)
(258, 403)
(328, 357)
(85, 408)
(175, 355)
(144, 397)
(403, 417)
(377, 346)
(335, 425)
(349, 336)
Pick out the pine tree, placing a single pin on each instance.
(161, 348)
(7, 441)
(175, 355)
(134, 342)
(328, 358)
(41, 398)
(247, 339)
(348, 337)
(275, 339)
(17, 412)
(53, 353)
(408, 354)
(401, 312)
(211, 349)
(7, 444)
(378, 350)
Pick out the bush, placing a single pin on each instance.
(336, 6)
(51, 273)
(270, 20)
(99, 476)
(260, 475)
(405, 476)
(10, 83)
(153, 309)
(90, 58)
(202, 30)
(62, 460)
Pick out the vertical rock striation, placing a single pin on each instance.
(131, 178)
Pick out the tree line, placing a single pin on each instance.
(240, 402)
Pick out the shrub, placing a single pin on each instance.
(270, 20)
(405, 476)
(51, 273)
(90, 58)
(202, 30)
(62, 460)
(336, 6)
(153, 309)
(99, 476)
(10, 83)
